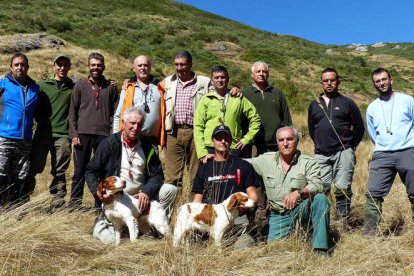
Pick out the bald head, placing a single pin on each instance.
(142, 68)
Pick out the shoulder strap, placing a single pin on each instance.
(318, 100)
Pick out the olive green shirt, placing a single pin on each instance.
(303, 172)
(53, 108)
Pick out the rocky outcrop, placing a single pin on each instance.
(378, 44)
(224, 48)
(27, 42)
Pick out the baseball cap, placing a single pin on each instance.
(220, 129)
(61, 55)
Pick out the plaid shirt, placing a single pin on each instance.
(183, 105)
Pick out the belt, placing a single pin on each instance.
(284, 213)
(183, 126)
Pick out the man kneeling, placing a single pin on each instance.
(222, 176)
(131, 157)
(294, 190)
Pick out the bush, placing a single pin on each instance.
(298, 100)
(125, 49)
(61, 25)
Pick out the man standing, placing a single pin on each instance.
(19, 95)
(271, 105)
(93, 104)
(294, 189)
(141, 90)
(52, 131)
(131, 157)
(223, 175)
(273, 110)
(217, 107)
(336, 128)
(182, 92)
(390, 122)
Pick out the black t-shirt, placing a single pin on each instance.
(217, 180)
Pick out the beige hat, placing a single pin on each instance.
(61, 55)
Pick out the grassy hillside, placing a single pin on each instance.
(35, 243)
(160, 28)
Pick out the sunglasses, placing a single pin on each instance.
(146, 108)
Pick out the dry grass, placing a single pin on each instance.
(61, 244)
(35, 243)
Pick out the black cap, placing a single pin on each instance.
(220, 129)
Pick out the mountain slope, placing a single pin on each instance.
(160, 28)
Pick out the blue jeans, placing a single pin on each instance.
(316, 210)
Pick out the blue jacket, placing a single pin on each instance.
(16, 111)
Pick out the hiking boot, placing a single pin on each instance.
(372, 215)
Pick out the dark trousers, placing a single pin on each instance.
(81, 157)
(14, 168)
(60, 150)
(383, 169)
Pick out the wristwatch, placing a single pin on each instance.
(301, 191)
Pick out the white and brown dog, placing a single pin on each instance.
(123, 210)
(210, 218)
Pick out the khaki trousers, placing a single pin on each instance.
(180, 152)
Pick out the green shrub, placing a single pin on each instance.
(298, 100)
(61, 25)
(125, 49)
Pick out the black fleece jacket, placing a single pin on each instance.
(346, 119)
(107, 162)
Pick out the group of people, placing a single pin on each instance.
(230, 140)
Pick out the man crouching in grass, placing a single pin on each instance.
(223, 175)
(294, 190)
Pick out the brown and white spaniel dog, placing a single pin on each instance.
(123, 210)
(210, 218)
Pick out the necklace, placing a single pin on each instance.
(130, 158)
(215, 188)
(388, 128)
(224, 101)
(142, 85)
(96, 89)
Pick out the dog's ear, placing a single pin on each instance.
(101, 188)
(232, 202)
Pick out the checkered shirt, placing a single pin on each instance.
(183, 105)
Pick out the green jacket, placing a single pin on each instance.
(53, 108)
(273, 111)
(303, 172)
(207, 115)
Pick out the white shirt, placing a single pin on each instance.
(132, 168)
